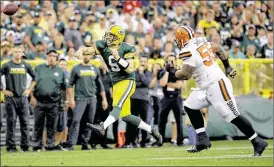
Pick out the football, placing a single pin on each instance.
(10, 9)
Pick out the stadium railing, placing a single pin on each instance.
(253, 75)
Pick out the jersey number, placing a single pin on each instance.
(205, 51)
(112, 63)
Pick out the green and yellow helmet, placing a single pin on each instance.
(115, 35)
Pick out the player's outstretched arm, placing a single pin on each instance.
(220, 52)
(185, 73)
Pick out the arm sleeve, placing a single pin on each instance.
(68, 36)
(72, 77)
(31, 72)
(145, 78)
(99, 81)
(28, 31)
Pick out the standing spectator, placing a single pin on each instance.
(156, 95)
(5, 51)
(86, 78)
(208, 22)
(172, 99)
(159, 31)
(51, 80)
(16, 98)
(267, 50)
(34, 33)
(19, 28)
(73, 37)
(39, 53)
(62, 129)
(250, 38)
(102, 114)
(235, 51)
(139, 102)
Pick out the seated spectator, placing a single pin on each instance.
(262, 35)
(159, 30)
(267, 50)
(35, 33)
(235, 51)
(169, 50)
(208, 22)
(39, 53)
(251, 51)
(250, 38)
(5, 51)
(72, 35)
(59, 44)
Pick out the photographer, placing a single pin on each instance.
(172, 97)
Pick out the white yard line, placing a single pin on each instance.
(220, 148)
(239, 156)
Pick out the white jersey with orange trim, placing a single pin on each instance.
(198, 53)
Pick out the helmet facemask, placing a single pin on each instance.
(110, 38)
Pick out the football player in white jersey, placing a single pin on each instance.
(214, 88)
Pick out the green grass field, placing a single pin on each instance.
(222, 153)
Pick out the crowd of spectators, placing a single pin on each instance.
(245, 29)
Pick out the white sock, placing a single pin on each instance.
(145, 126)
(253, 137)
(200, 130)
(110, 119)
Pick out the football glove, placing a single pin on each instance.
(230, 72)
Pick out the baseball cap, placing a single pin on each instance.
(269, 28)
(50, 50)
(77, 12)
(251, 26)
(72, 18)
(250, 3)
(236, 44)
(10, 32)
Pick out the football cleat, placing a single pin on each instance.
(99, 128)
(259, 146)
(202, 144)
(157, 136)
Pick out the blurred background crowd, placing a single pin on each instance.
(245, 29)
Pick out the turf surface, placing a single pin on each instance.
(222, 153)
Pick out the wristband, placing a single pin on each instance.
(123, 63)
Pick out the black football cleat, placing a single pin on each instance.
(202, 144)
(99, 128)
(259, 146)
(157, 136)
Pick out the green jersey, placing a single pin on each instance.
(125, 51)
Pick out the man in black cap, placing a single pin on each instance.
(16, 97)
(51, 81)
(39, 53)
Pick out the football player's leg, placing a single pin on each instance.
(224, 103)
(196, 101)
(121, 92)
(138, 122)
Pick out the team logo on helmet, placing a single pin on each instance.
(122, 32)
